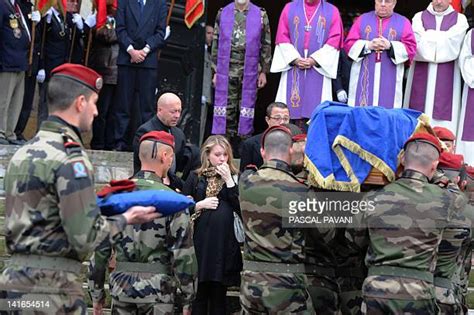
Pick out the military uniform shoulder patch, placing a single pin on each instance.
(80, 170)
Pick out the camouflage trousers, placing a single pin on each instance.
(324, 295)
(29, 290)
(274, 293)
(123, 308)
(379, 306)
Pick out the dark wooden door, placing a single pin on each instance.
(180, 68)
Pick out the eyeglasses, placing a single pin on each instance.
(284, 119)
(386, 1)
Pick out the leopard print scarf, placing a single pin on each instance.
(214, 182)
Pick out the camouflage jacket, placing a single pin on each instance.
(50, 199)
(405, 230)
(166, 241)
(238, 43)
(451, 250)
(262, 197)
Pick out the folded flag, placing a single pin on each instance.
(166, 202)
(345, 143)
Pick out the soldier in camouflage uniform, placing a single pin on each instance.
(52, 220)
(152, 259)
(234, 99)
(273, 280)
(404, 231)
(456, 234)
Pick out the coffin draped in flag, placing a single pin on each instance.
(345, 143)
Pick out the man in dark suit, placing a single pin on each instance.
(277, 114)
(15, 38)
(141, 26)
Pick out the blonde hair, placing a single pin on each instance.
(206, 148)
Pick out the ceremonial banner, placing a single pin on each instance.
(45, 5)
(193, 11)
(345, 143)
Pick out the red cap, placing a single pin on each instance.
(426, 138)
(273, 128)
(116, 186)
(159, 136)
(300, 137)
(451, 161)
(79, 73)
(444, 133)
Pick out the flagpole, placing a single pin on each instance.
(168, 19)
(74, 31)
(89, 44)
(33, 38)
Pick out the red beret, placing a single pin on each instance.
(426, 138)
(300, 137)
(79, 73)
(444, 133)
(159, 136)
(274, 128)
(450, 161)
(116, 186)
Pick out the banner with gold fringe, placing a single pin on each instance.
(345, 143)
(193, 11)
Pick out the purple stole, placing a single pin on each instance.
(304, 87)
(468, 127)
(443, 100)
(369, 29)
(253, 29)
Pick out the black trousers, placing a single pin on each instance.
(133, 80)
(103, 127)
(210, 299)
(30, 86)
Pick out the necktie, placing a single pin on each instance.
(141, 4)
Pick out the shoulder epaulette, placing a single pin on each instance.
(71, 147)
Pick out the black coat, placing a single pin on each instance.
(217, 250)
(155, 124)
(13, 51)
(251, 152)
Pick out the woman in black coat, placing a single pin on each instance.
(214, 188)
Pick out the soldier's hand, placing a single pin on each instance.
(139, 215)
(209, 203)
(262, 80)
(186, 311)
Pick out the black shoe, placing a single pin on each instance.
(21, 137)
(4, 141)
(17, 142)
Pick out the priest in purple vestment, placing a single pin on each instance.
(308, 41)
(380, 43)
(241, 56)
(434, 80)
(465, 140)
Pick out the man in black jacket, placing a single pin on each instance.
(277, 114)
(166, 119)
(15, 38)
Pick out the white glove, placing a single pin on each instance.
(167, 32)
(77, 19)
(41, 76)
(203, 99)
(35, 16)
(209, 203)
(91, 20)
(342, 96)
(49, 15)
